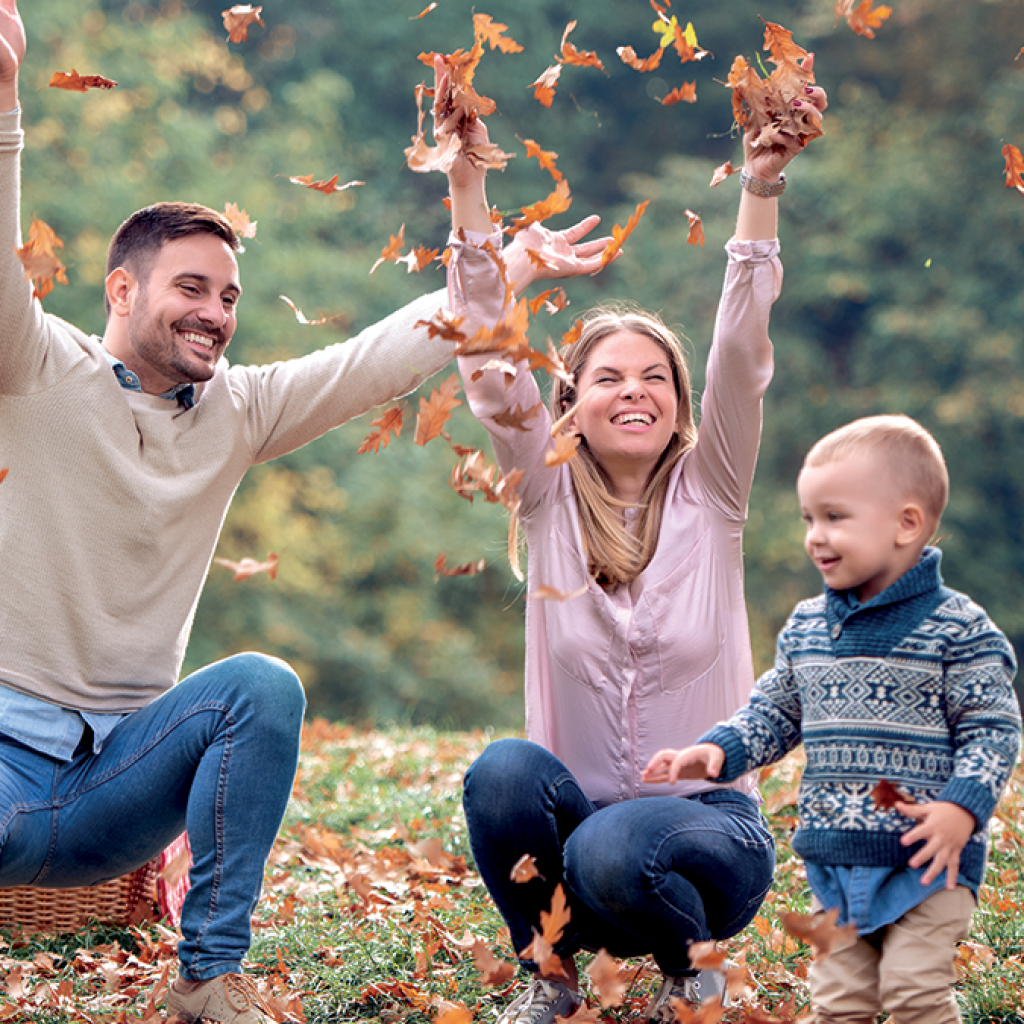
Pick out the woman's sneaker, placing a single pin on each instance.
(693, 989)
(541, 1003)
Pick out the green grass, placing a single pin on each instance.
(365, 920)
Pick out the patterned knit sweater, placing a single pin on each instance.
(914, 686)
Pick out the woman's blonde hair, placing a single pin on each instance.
(615, 554)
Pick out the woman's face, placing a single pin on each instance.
(628, 404)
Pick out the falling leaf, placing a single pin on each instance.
(503, 366)
(301, 317)
(525, 869)
(1014, 168)
(722, 172)
(546, 593)
(705, 956)
(442, 568)
(568, 54)
(628, 56)
(239, 221)
(392, 250)
(544, 157)
(553, 921)
(492, 970)
(416, 259)
(444, 325)
(436, 410)
(619, 235)
(426, 10)
(388, 425)
(544, 87)
(609, 979)
(4, 470)
(250, 567)
(237, 20)
(819, 931)
(327, 187)
(74, 82)
(696, 232)
(493, 33)
(566, 445)
(517, 418)
(37, 256)
(860, 16)
(887, 794)
(685, 93)
(556, 202)
(554, 300)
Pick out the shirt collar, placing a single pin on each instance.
(924, 576)
(185, 394)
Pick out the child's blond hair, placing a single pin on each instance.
(912, 456)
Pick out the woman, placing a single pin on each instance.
(645, 522)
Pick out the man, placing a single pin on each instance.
(123, 453)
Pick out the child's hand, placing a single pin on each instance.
(703, 761)
(561, 253)
(945, 828)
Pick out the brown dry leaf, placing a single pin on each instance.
(609, 980)
(517, 418)
(706, 956)
(437, 410)
(503, 366)
(454, 1014)
(301, 317)
(819, 931)
(554, 300)
(628, 56)
(74, 82)
(544, 86)
(250, 567)
(544, 157)
(722, 172)
(860, 16)
(327, 187)
(493, 33)
(696, 232)
(568, 54)
(619, 234)
(557, 201)
(444, 325)
(567, 443)
(546, 593)
(426, 10)
(237, 20)
(685, 93)
(492, 970)
(392, 250)
(388, 425)
(507, 336)
(41, 263)
(1014, 168)
(239, 221)
(886, 794)
(4, 470)
(416, 259)
(442, 568)
(525, 869)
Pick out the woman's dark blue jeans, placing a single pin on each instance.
(642, 877)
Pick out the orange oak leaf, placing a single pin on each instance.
(887, 794)
(454, 1014)
(572, 335)
(553, 921)
(722, 171)
(492, 970)
(436, 410)
(685, 93)
(557, 201)
(544, 157)
(239, 220)
(1014, 168)
(544, 87)
(416, 259)
(41, 263)
(327, 187)
(74, 82)
(568, 54)
(619, 234)
(696, 232)
(705, 956)
(501, 365)
(861, 17)
(444, 325)
(546, 593)
(392, 250)
(567, 443)
(4, 470)
(517, 418)
(237, 20)
(493, 33)
(388, 425)
(507, 334)
(628, 56)
(525, 869)
(301, 317)
(247, 567)
(426, 10)
(608, 978)
(554, 300)
(442, 568)
(819, 931)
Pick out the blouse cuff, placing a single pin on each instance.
(759, 251)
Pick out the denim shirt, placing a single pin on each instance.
(46, 727)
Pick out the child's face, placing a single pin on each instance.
(855, 524)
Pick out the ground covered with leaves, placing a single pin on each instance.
(372, 910)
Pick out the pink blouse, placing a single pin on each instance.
(613, 677)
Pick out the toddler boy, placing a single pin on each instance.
(887, 675)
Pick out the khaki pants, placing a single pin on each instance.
(905, 969)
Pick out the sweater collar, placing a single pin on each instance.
(922, 578)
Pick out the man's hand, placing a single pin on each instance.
(703, 761)
(556, 253)
(12, 52)
(945, 828)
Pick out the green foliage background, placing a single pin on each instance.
(903, 281)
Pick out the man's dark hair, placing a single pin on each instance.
(138, 241)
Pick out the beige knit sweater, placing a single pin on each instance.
(114, 500)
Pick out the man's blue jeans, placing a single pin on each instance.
(216, 754)
(644, 876)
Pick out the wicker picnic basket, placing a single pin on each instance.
(143, 894)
